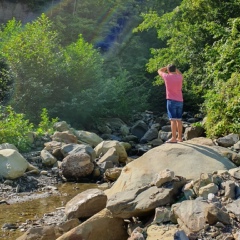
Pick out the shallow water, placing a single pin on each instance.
(20, 212)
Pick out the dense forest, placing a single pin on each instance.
(83, 60)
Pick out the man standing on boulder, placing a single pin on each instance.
(173, 79)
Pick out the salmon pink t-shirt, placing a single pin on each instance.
(173, 83)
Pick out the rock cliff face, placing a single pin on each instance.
(17, 10)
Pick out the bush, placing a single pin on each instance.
(222, 107)
(14, 129)
(46, 124)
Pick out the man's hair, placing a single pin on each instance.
(171, 68)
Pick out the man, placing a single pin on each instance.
(173, 79)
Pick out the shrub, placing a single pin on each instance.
(222, 107)
(46, 124)
(14, 129)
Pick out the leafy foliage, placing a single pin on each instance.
(202, 38)
(30, 53)
(79, 83)
(14, 128)
(47, 75)
(121, 97)
(46, 124)
(222, 106)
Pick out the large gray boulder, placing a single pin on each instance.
(74, 148)
(143, 201)
(187, 159)
(12, 164)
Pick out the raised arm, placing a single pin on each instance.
(162, 70)
(178, 71)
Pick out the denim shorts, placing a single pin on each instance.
(174, 109)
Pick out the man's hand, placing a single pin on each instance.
(162, 70)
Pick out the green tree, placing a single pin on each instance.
(193, 37)
(30, 53)
(47, 75)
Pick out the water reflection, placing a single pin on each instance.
(31, 210)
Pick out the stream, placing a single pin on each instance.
(20, 212)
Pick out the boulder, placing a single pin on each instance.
(142, 201)
(139, 129)
(234, 207)
(64, 137)
(228, 141)
(73, 148)
(187, 159)
(214, 215)
(76, 166)
(193, 132)
(164, 136)
(162, 215)
(89, 138)
(112, 174)
(86, 204)
(163, 177)
(54, 148)
(7, 146)
(151, 134)
(12, 164)
(104, 146)
(190, 215)
(61, 126)
(111, 155)
(47, 158)
(101, 226)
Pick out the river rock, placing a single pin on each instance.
(162, 232)
(76, 166)
(193, 132)
(12, 164)
(187, 159)
(7, 146)
(111, 155)
(61, 126)
(73, 148)
(151, 134)
(190, 215)
(101, 226)
(139, 129)
(49, 232)
(86, 204)
(228, 141)
(234, 207)
(104, 146)
(142, 201)
(112, 174)
(89, 138)
(47, 158)
(65, 137)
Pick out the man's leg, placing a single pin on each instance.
(179, 129)
(174, 131)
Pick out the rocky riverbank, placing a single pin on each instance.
(111, 152)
